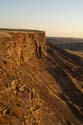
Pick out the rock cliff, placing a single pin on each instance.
(18, 47)
(40, 84)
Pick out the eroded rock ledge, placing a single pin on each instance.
(18, 47)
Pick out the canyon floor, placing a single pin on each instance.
(40, 84)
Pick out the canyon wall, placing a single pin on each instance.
(40, 84)
(18, 47)
(19, 100)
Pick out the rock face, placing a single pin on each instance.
(40, 84)
(20, 104)
(21, 47)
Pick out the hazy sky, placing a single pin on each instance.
(56, 17)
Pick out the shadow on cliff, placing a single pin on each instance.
(64, 57)
(74, 96)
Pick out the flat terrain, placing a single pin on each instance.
(67, 43)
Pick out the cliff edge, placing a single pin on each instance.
(40, 84)
(19, 47)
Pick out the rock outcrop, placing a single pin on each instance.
(40, 84)
(18, 47)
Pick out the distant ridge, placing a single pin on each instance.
(63, 38)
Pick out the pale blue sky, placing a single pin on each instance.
(56, 17)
